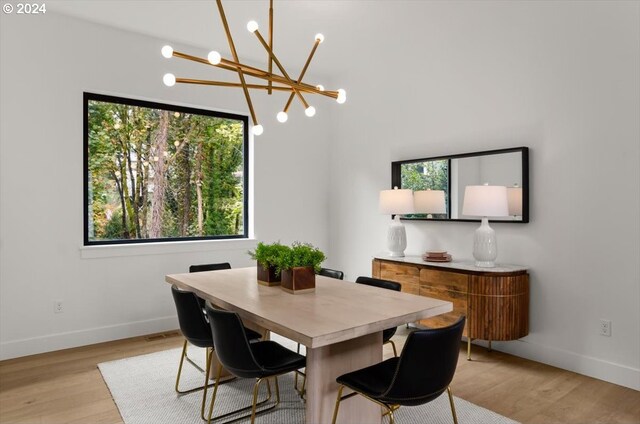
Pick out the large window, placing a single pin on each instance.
(158, 172)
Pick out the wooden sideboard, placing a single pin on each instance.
(494, 300)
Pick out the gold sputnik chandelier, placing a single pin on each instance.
(275, 82)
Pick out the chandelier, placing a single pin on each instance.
(274, 82)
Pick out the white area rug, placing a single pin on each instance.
(142, 388)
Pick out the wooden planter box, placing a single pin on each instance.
(268, 276)
(298, 280)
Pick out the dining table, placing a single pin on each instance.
(340, 324)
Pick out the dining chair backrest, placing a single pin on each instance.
(376, 282)
(426, 365)
(232, 346)
(192, 321)
(331, 273)
(209, 267)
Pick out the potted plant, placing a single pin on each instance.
(267, 257)
(298, 267)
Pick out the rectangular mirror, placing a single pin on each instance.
(439, 182)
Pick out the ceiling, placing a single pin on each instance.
(197, 23)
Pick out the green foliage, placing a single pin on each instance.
(432, 175)
(113, 227)
(269, 254)
(202, 173)
(300, 255)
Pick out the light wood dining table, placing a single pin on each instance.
(340, 324)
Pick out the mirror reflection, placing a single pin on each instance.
(439, 183)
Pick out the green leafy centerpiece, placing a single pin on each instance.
(298, 267)
(268, 256)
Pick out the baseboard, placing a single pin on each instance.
(58, 341)
(586, 365)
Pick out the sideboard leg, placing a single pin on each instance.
(468, 348)
(489, 345)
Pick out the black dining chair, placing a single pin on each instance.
(331, 273)
(208, 267)
(196, 331)
(423, 372)
(261, 360)
(389, 285)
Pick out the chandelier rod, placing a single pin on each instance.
(235, 58)
(279, 65)
(304, 69)
(258, 73)
(270, 43)
(233, 84)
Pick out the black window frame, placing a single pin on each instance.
(87, 97)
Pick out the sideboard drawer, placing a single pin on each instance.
(444, 280)
(459, 300)
(408, 276)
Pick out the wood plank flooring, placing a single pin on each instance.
(66, 386)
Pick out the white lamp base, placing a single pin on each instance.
(485, 247)
(396, 238)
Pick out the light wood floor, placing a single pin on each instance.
(66, 386)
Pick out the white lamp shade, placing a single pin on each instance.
(396, 202)
(429, 201)
(485, 200)
(514, 197)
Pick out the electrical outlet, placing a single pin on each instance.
(605, 327)
(57, 307)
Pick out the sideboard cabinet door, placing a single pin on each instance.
(449, 286)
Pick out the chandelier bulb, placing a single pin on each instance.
(169, 80)
(320, 87)
(214, 57)
(282, 117)
(167, 51)
(257, 129)
(319, 38)
(252, 26)
(310, 111)
(342, 96)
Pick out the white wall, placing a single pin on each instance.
(114, 292)
(559, 77)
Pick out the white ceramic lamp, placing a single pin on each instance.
(485, 201)
(396, 202)
(514, 198)
(429, 202)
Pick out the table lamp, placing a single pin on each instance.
(485, 201)
(429, 202)
(396, 202)
(514, 197)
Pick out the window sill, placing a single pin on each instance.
(118, 250)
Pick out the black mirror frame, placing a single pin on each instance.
(396, 181)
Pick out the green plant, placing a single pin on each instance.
(300, 255)
(269, 254)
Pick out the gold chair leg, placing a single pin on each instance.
(206, 382)
(182, 358)
(453, 407)
(391, 418)
(182, 355)
(255, 400)
(335, 411)
(215, 391)
(251, 407)
(393, 345)
(295, 379)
